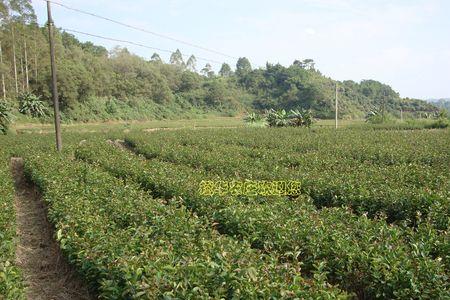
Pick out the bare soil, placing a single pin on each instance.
(47, 273)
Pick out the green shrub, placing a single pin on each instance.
(352, 250)
(441, 121)
(134, 246)
(11, 280)
(301, 118)
(252, 118)
(32, 105)
(278, 118)
(5, 117)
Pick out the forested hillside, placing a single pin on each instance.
(95, 83)
(441, 103)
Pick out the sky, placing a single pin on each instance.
(403, 43)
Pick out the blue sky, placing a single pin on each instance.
(405, 44)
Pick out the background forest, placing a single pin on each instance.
(97, 84)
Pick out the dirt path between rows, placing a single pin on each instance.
(47, 273)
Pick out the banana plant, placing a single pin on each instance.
(252, 118)
(30, 104)
(278, 118)
(300, 118)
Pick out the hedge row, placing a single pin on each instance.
(133, 246)
(408, 190)
(368, 257)
(11, 280)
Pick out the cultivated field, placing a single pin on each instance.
(200, 214)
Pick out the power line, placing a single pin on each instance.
(134, 43)
(143, 30)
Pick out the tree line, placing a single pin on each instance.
(96, 83)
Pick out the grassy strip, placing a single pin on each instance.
(368, 257)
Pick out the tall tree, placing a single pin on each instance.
(191, 63)
(21, 11)
(177, 58)
(22, 73)
(208, 71)
(156, 57)
(309, 64)
(243, 67)
(14, 60)
(3, 72)
(35, 61)
(27, 80)
(225, 70)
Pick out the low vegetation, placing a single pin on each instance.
(11, 281)
(5, 117)
(371, 220)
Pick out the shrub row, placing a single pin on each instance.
(11, 280)
(134, 246)
(364, 256)
(408, 191)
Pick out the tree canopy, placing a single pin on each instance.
(91, 78)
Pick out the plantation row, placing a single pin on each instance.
(381, 147)
(179, 244)
(11, 282)
(367, 257)
(129, 245)
(398, 188)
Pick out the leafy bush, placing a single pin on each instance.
(133, 246)
(301, 118)
(352, 250)
(11, 280)
(278, 118)
(252, 118)
(5, 117)
(377, 117)
(441, 122)
(295, 118)
(30, 104)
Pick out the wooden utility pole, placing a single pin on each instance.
(3, 73)
(401, 114)
(336, 106)
(54, 82)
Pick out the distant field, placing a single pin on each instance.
(155, 124)
(132, 125)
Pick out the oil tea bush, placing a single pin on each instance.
(367, 257)
(133, 246)
(11, 281)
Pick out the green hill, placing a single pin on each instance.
(443, 103)
(95, 84)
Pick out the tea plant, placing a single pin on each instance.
(345, 245)
(133, 246)
(11, 281)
